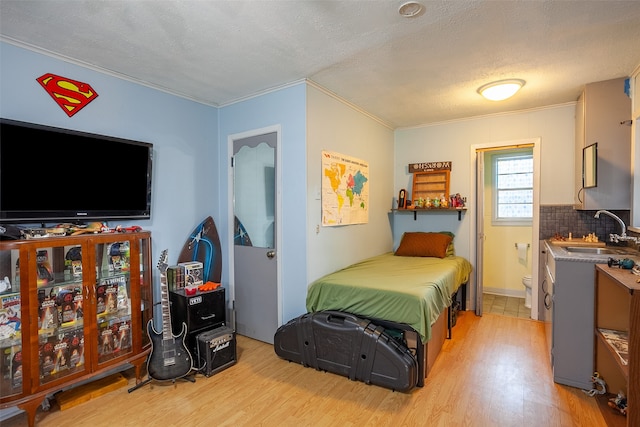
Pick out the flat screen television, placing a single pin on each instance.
(50, 174)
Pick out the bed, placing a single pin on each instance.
(411, 289)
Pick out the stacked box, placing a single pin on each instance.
(54, 353)
(111, 295)
(123, 302)
(11, 366)
(114, 336)
(48, 312)
(193, 273)
(5, 362)
(68, 300)
(75, 340)
(121, 332)
(61, 358)
(175, 277)
(73, 261)
(16, 368)
(47, 355)
(10, 317)
(43, 268)
(118, 256)
(105, 339)
(115, 257)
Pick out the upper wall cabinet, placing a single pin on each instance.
(603, 176)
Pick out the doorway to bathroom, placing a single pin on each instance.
(507, 226)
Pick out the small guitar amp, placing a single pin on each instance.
(202, 312)
(216, 350)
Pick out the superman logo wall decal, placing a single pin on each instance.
(70, 95)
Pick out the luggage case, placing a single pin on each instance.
(347, 345)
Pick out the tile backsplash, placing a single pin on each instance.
(564, 219)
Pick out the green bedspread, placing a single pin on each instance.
(411, 290)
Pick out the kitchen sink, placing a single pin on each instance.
(591, 250)
(617, 251)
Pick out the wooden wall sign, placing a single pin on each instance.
(429, 166)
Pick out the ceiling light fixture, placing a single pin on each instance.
(411, 9)
(500, 90)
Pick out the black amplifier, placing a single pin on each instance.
(216, 350)
(202, 311)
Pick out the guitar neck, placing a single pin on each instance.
(167, 332)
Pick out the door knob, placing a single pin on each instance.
(271, 254)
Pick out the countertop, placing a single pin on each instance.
(561, 253)
(622, 276)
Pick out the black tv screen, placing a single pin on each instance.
(50, 174)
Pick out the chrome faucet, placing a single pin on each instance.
(614, 237)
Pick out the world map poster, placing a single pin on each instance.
(345, 190)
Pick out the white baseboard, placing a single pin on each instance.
(504, 292)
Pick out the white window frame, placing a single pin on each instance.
(510, 221)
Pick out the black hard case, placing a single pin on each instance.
(347, 345)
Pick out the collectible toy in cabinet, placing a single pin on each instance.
(48, 312)
(10, 321)
(11, 366)
(43, 268)
(73, 263)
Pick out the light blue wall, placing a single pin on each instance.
(285, 108)
(453, 141)
(334, 125)
(183, 133)
(190, 170)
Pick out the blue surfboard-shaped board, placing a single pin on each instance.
(240, 235)
(203, 245)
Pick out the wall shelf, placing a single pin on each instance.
(430, 184)
(431, 211)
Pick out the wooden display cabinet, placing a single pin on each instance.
(75, 307)
(430, 184)
(617, 307)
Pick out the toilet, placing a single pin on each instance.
(526, 281)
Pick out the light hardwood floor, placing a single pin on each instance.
(494, 372)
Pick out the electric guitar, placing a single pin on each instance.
(169, 358)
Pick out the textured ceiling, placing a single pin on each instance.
(406, 72)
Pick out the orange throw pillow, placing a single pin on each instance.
(423, 244)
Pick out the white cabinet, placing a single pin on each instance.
(602, 114)
(570, 282)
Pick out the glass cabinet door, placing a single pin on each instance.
(146, 291)
(10, 324)
(60, 300)
(113, 299)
